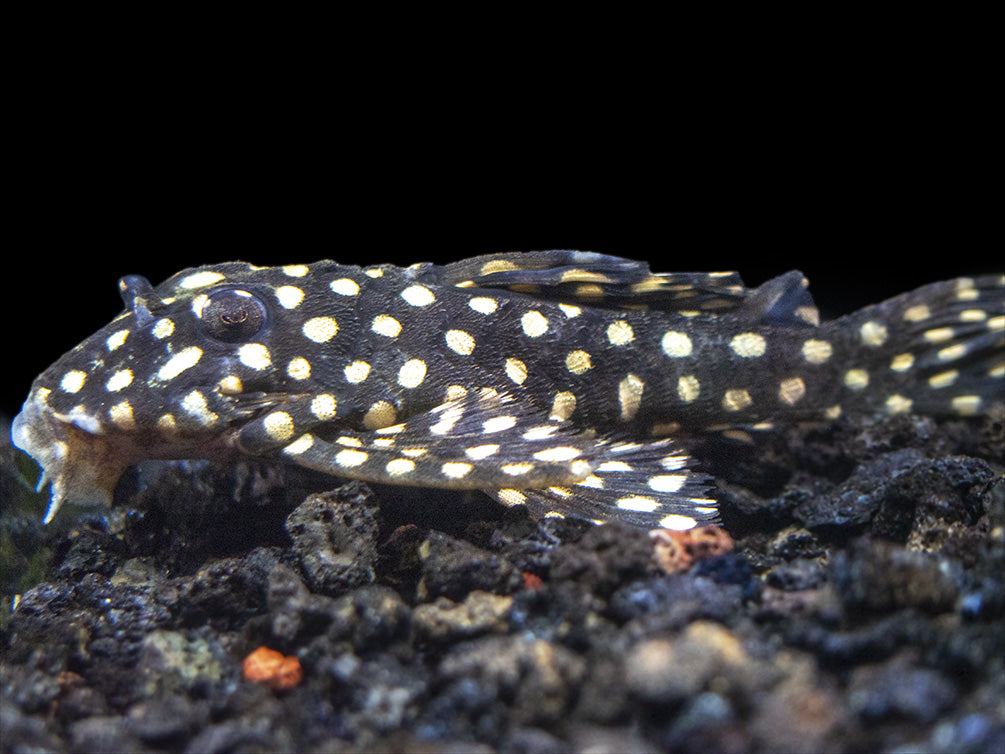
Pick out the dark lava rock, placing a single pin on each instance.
(335, 535)
(453, 568)
(861, 610)
(875, 575)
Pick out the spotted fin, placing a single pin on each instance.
(646, 485)
(597, 280)
(492, 441)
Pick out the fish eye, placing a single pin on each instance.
(233, 315)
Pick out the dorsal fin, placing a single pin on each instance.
(599, 280)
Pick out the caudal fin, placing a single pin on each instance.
(938, 350)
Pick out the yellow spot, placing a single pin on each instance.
(352, 442)
(578, 362)
(611, 466)
(973, 315)
(620, 333)
(997, 371)
(540, 433)
(199, 303)
(898, 404)
(116, 339)
(119, 380)
(873, 333)
(199, 279)
(557, 455)
(455, 392)
(447, 421)
(791, 391)
(399, 466)
(902, 362)
(295, 270)
(939, 334)
(380, 415)
(667, 482)
(345, 287)
(638, 503)
(480, 452)
(630, 396)
(583, 276)
(672, 463)
(301, 445)
(230, 385)
(350, 458)
(589, 291)
(254, 355)
(72, 381)
(945, 379)
(688, 388)
(966, 405)
(498, 424)
(748, 345)
(534, 324)
(299, 368)
(195, 406)
(996, 323)
(953, 352)
(356, 372)
(121, 415)
(289, 296)
(917, 313)
(412, 373)
(808, 314)
(517, 469)
(966, 290)
(163, 328)
(184, 359)
(677, 522)
(570, 311)
(562, 406)
(483, 304)
(320, 329)
(510, 497)
(374, 272)
(676, 344)
(516, 370)
(167, 425)
(497, 265)
(817, 351)
(856, 379)
(459, 342)
(323, 406)
(456, 469)
(736, 400)
(279, 426)
(833, 412)
(386, 325)
(593, 482)
(418, 295)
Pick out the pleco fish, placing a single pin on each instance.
(553, 379)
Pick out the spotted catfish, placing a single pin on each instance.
(552, 379)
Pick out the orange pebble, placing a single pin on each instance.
(678, 550)
(272, 669)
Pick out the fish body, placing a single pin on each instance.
(555, 379)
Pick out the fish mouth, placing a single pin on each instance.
(79, 465)
(82, 463)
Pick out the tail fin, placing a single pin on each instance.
(937, 350)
